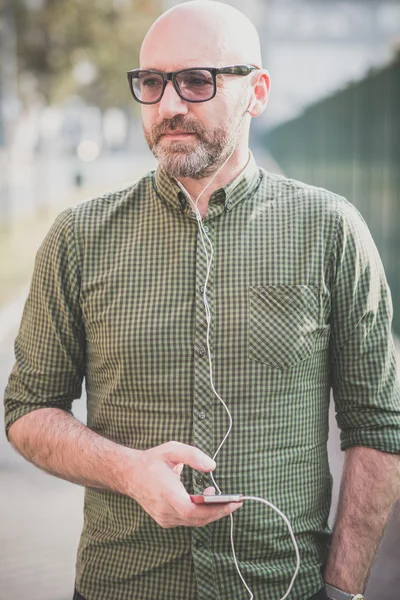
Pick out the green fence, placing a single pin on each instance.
(350, 143)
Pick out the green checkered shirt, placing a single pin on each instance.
(299, 304)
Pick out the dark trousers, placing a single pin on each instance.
(321, 595)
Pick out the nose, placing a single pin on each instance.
(171, 103)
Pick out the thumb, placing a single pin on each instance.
(189, 455)
(178, 468)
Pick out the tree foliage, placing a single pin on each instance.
(81, 47)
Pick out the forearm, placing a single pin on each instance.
(59, 444)
(370, 486)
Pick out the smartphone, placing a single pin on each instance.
(221, 499)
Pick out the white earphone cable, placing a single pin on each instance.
(209, 259)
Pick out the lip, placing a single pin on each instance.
(178, 134)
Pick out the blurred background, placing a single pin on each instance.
(70, 130)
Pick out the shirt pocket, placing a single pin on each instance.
(283, 324)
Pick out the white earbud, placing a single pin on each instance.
(251, 106)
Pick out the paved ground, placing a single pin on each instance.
(42, 515)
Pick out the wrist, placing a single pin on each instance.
(346, 570)
(127, 466)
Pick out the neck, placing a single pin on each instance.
(228, 173)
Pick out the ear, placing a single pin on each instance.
(261, 84)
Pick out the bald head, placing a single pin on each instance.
(200, 33)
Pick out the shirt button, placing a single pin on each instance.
(229, 205)
(202, 288)
(206, 229)
(198, 543)
(202, 415)
(201, 351)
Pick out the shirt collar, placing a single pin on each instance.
(226, 197)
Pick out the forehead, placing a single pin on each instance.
(173, 47)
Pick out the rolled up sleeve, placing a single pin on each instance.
(50, 346)
(365, 386)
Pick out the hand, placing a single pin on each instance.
(157, 487)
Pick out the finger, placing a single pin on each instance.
(204, 514)
(226, 510)
(176, 452)
(209, 491)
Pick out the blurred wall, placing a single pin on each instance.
(349, 143)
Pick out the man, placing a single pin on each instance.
(299, 304)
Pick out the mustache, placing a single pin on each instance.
(177, 122)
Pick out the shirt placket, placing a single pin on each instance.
(202, 419)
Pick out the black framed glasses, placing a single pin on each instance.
(192, 85)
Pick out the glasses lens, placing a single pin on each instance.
(147, 86)
(195, 85)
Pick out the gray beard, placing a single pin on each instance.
(197, 162)
(203, 156)
(199, 159)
